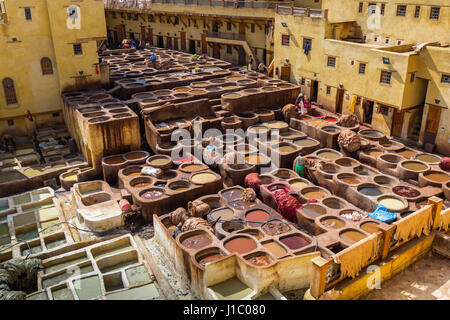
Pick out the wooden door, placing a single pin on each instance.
(183, 40)
(242, 28)
(175, 43)
(143, 34)
(216, 51)
(169, 43)
(150, 36)
(397, 123)
(339, 100)
(432, 124)
(285, 72)
(120, 34)
(204, 45)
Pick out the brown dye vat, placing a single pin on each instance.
(275, 228)
(298, 184)
(193, 167)
(428, 158)
(231, 195)
(260, 261)
(182, 89)
(406, 192)
(373, 153)
(370, 227)
(333, 223)
(114, 160)
(317, 123)
(257, 215)
(152, 194)
(196, 242)
(305, 142)
(437, 177)
(240, 245)
(158, 162)
(350, 180)
(294, 242)
(275, 249)
(203, 178)
(210, 258)
(286, 149)
(135, 155)
(328, 155)
(313, 210)
(352, 236)
(314, 194)
(408, 154)
(224, 214)
(255, 159)
(142, 185)
(414, 166)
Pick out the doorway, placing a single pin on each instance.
(216, 51)
(183, 41)
(160, 41)
(397, 123)
(315, 91)
(432, 124)
(242, 56)
(192, 46)
(339, 100)
(368, 112)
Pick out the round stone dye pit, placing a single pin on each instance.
(240, 245)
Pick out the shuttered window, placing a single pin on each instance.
(10, 91)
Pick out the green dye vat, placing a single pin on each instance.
(66, 275)
(266, 296)
(4, 229)
(85, 193)
(32, 234)
(38, 296)
(24, 219)
(103, 253)
(8, 176)
(50, 226)
(146, 292)
(231, 289)
(64, 264)
(34, 171)
(4, 206)
(32, 250)
(137, 275)
(48, 213)
(41, 196)
(87, 288)
(55, 243)
(37, 207)
(119, 266)
(23, 198)
(63, 294)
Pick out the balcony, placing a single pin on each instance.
(301, 12)
(226, 35)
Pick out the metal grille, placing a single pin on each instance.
(331, 62)
(10, 91)
(385, 77)
(401, 11)
(434, 13)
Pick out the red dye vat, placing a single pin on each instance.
(294, 242)
(240, 245)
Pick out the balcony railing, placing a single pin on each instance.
(146, 4)
(226, 35)
(306, 12)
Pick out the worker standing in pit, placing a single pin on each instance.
(299, 166)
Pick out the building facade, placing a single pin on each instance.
(387, 63)
(46, 47)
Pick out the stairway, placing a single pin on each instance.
(413, 138)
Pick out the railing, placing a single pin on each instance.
(307, 12)
(111, 4)
(225, 35)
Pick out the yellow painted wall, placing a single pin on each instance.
(44, 36)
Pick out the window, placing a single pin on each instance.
(252, 27)
(331, 62)
(358, 101)
(375, 39)
(176, 21)
(122, 15)
(417, 12)
(413, 76)
(365, 38)
(386, 41)
(445, 78)
(401, 11)
(302, 82)
(229, 49)
(10, 92)
(385, 77)
(228, 26)
(77, 49)
(360, 9)
(285, 40)
(362, 68)
(307, 45)
(114, 16)
(372, 8)
(383, 6)
(130, 16)
(399, 42)
(136, 17)
(10, 123)
(434, 13)
(152, 19)
(55, 114)
(384, 110)
(46, 66)
(27, 13)
(328, 90)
